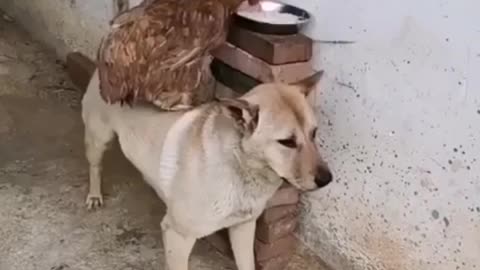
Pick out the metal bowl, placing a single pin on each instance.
(265, 27)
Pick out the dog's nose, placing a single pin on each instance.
(323, 177)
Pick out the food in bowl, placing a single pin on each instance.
(272, 17)
(269, 12)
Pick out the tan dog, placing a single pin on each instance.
(214, 166)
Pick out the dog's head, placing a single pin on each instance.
(279, 128)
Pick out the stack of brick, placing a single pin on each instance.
(256, 58)
(275, 241)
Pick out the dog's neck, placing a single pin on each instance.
(255, 171)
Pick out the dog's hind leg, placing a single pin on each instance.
(177, 246)
(96, 141)
(242, 237)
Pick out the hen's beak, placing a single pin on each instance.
(253, 2)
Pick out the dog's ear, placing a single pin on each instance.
(306, 85)
(244, 113)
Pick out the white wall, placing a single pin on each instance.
(401, 137)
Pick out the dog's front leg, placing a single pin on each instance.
(242, 237)
(177, 247)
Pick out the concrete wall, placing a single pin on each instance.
(399, 111)
(400, 121)
(66, 25)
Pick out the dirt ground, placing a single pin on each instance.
(44, 223)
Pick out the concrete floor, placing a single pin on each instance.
(43, 180)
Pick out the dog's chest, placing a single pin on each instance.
(247, 209)
(250, 202)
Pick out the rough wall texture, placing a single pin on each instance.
(66, 25)
(399, 112)
(400, 120)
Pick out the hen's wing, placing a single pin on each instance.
(158, 52)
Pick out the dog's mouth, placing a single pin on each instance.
(285, 181)
(297, 186)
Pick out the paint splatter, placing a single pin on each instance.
(446, 221)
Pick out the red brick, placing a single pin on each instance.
(80, 69)
(259, 69)
(239, 82)
(284, 196)
(274, 214)
(281, 247)
(269, 233)
(277, 263)
(273, 49)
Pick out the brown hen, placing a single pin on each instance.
(158, 52)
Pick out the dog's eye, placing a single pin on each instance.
(313, 134)
(290, 142)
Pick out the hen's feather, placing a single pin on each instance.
(158, 52)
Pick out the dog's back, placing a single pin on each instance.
(109, 114)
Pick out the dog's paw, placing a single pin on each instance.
(94, 201)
